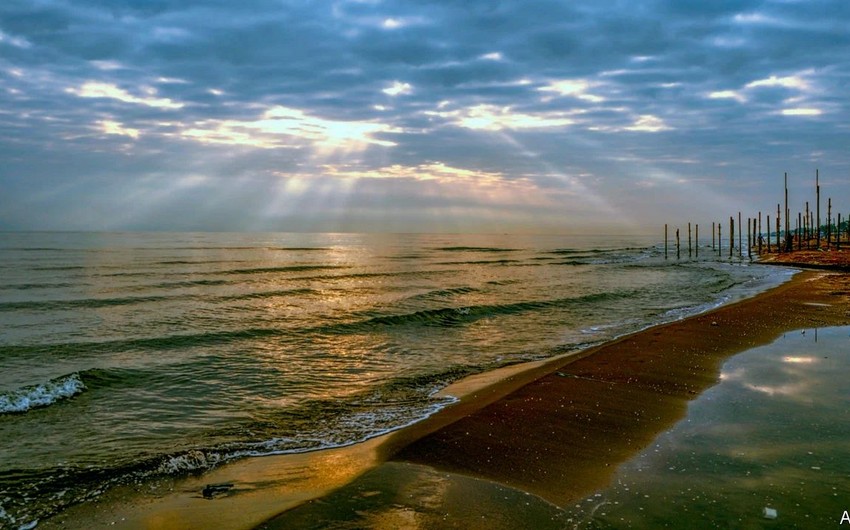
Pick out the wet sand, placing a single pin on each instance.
(561, 436)
(521, 441)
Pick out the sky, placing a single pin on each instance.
(428, 116)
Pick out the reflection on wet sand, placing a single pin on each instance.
(773, 435)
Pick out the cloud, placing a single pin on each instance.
(573, 87)
(796, 82)
(279, 127)
(648, 123)
(113, 127)
(728, 94)
(687, 94)
(95, 89)
(398, 89)
(493, 118)
(801, 112)
(436, 171)
(17, 42)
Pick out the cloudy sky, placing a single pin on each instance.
(396, 115)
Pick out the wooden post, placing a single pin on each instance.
(678, 255)
(690, 252)
(719, 239)
(665, 240)
(759, 233)
(817, 195)
(808, 226)
(788, 244)
(806, 230)
(838, 233)
(755, 236)
(749, 238)
(812, 224)
(828, 221)
(696, 239)
(799, 231)
(712, 237)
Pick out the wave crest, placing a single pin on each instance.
(30, 397)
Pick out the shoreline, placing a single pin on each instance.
(483, 422)
(616, 398)
(562, 435)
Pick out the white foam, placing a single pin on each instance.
(192, 461)
(41, 395)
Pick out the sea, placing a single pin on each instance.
(130, 356)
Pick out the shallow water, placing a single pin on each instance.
(773, 434)
(126, 356)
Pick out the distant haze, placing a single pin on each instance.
(442, 116)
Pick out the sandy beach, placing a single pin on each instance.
(520, 442)
(562, 436)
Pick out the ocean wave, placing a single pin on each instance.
(63, 305)
(288, 268)
(451, 316)
(165, 342)
(41, 395)
(94, 303)
(476, 249)
(442, 293)
(481, 262)
(29, 286)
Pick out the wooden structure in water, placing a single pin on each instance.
(808, 233)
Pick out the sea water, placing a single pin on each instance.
(127, 356)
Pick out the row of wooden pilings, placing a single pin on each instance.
(808, 233)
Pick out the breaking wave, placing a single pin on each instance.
(30, 397)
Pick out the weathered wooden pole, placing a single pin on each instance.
(696, 239)
(759, 233)
(838, 233)
(806, 230)
(690, 251)
(817, 195)
(678, 255)
(808, 226)
(812, 225)
(754, 235)
(828, 221)
(665, 240)
(719, 239)
(799, 231)
(788, 241)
